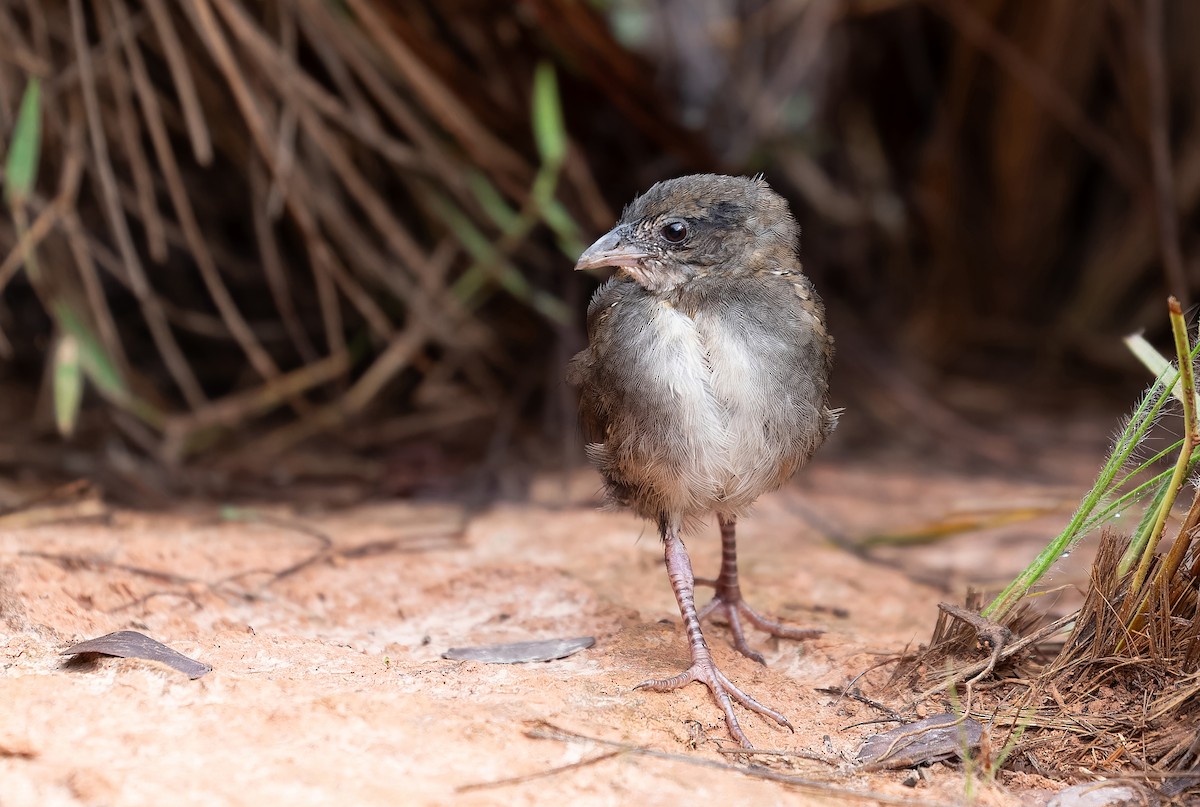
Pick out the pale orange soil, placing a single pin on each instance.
(328, 686)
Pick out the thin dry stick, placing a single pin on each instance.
(442, 103)
(391, 229)
(60, 81)
(27, 241)
(76, 155)
(64, 202)
(353, 50)
(439, 312)
(326, 272)
(780, 752)
(530, 777)
(325, 266)
(17, 52)
(285, 143)
(322, 254)
(39, 26)
(159, 137)
(160, 331)
(272, 264)
(360, 111)
(391, 361)
(1014, 647)
(974, 27)
(394, 358)
(131, 136)
(290, 80)
(93, 288)
(210, 32)
(185, 86)
(547, 731)
(236, 408)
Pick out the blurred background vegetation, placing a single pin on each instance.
(251, 247)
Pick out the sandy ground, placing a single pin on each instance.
(328, 686)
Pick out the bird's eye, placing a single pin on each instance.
(674, 231)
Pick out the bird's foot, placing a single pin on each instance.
(724, 692)
(730, 606)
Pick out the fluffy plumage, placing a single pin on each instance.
(704, 384)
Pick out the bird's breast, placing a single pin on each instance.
(721, 402)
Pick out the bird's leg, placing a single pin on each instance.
(703, 669)
(728, 602)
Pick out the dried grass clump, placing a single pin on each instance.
(250, 220)
(276, 217)
(1118, 696)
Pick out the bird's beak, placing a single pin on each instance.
(611, 249)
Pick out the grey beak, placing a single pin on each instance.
(611, 249)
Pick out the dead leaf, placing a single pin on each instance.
(933, 739)
(131, 644)
(520, 652)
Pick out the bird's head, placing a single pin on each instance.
(697, 226)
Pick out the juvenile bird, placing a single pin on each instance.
(704, 384)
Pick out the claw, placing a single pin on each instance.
(704, 669)
(724, 691)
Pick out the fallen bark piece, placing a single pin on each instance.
(926, 741)
(521, 652)
(131, 644)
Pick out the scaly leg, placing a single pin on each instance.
(703, 669)
(728, 602)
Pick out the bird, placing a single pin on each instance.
(704, 385)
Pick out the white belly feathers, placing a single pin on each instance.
(718, 397)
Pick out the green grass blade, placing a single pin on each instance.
(493, 204)
(94, 360)
(68, 385)
(99, 368)
(1155, 362)
(1097, 506)
(548, 127)
(566, 231)
(20, 167)
(489, 262)
(1126, 443)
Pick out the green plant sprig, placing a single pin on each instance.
(541, 207)
(1092, 510)
(1188, 382)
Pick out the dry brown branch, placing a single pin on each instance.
(441, 103)
(131, 140)
(185, 87)
(225, 303)
(272, 264)
(1054, 100)
(180, 370)
(276, 184)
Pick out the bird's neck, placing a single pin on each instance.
(660, 277)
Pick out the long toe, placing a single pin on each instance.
(745, 700)
(739, 637)
(776, 628)
(733, 609)
(723, 691)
